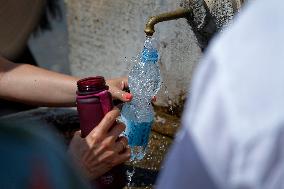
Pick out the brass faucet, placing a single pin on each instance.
(179, 13)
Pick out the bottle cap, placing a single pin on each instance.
(92, 85)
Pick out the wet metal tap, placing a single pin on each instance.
(179, 13)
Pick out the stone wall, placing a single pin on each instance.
(105, 34)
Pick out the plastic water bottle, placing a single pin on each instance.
(144, 82)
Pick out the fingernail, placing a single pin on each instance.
(128, 96)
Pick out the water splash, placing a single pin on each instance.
(144, 82)
(138, 136)
(129, 175)
(170, 102)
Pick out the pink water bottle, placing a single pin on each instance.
(93, 102)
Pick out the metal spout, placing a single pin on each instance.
(179, 13)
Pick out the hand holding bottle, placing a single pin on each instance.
(117, 89)
(103, 148)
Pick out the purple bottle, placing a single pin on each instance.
(93, 102)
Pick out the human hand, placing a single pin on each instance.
(103, 148)
(117, 87)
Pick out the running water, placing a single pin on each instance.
(170, 102)
(130, 175)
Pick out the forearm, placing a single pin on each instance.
(33, 85)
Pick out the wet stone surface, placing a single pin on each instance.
(165, 124)
(146, 170)
(66, 122)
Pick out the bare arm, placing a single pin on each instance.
(37, 86)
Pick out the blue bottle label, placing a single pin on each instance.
(137, 133)
(149, 55)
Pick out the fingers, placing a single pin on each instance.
(121, 144)
(121, 95)
(107, 122)
(112, 153)
(103, 148)
(125, 93)
(116, 131)
(123, 157)
(118, 88)
(126, 97)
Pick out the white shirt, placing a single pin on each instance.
(232, 134)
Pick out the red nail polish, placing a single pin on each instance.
(128, 96)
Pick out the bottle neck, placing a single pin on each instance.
(149, 55)
(91, 85)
